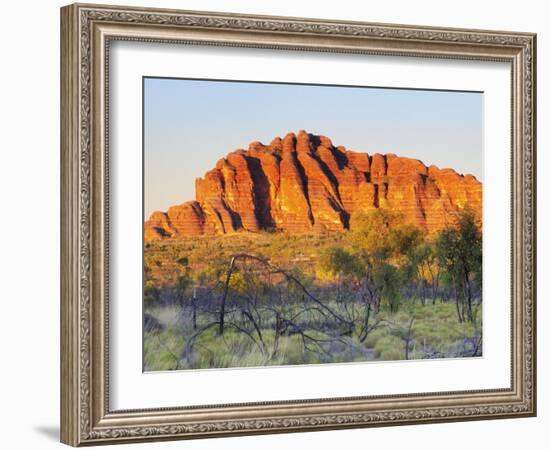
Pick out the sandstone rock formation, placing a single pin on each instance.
(303, 182)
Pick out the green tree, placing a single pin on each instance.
(337, 262)
(183, 261)
(459, 251)
(151, 294)
(386, 246)
(183, 282)
(427, 270)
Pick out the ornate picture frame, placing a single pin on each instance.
(87, 31)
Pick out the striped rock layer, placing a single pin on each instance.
(303, 183)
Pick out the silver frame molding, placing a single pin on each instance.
(86, 32)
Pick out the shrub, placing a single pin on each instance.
(390, 347)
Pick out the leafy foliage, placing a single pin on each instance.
(311, 298)
(459, 250)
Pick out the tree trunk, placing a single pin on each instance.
(225, 291)
(365, 332)
(408, 339)
(469, 300)
(457, 302)
(194, 306)
(277, 335)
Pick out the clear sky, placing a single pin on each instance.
(191, 124)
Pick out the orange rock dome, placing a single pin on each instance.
(303, 182)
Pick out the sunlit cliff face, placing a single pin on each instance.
(303, 183)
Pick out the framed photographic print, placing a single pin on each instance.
(278, 224)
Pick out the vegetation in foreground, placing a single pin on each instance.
(380, 292)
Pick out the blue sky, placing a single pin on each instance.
(191, 124)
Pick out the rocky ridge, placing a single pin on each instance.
(303, 183)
